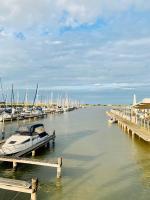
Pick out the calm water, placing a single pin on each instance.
(100, 162)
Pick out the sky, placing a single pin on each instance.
(98, 46)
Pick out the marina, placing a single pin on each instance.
(15, 108)
(74, 100)
(87, 171)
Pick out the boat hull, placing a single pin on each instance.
(13, 149)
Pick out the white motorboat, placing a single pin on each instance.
(112, 121)
(7, 116)
(25, 137)
(59, 110)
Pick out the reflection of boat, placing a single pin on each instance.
(112, 121)
(24, 138)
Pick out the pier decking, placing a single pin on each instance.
(129, 126)
(20, 186)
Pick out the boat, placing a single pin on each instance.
(25, 137)
(59, 109)
(5, 116)
(112, 121)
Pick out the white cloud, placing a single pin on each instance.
(73, 58)
(28, 13)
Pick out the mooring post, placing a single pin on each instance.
(48, 145)
(14, 165)
(54, 135)
(34, 189)
(33, 153)
(144, 123)
(59, 167)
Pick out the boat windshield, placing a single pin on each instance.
(23, 130)
(31, 130)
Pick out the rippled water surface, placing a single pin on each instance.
(100, 161)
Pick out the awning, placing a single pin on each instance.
(144, 104)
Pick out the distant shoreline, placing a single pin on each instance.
(106, 105)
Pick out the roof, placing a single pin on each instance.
(144, 104)
(28, 130)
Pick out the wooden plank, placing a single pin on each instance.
(17, 189)
(15, 185)
(13, 182)
(29, 161)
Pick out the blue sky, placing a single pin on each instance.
(75, 44)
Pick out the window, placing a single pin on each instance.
(43, 134)
(12, 142)
(25, 141)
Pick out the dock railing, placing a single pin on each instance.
(133, 117)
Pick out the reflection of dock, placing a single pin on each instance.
(130, 127)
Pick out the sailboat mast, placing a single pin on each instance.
(35, 96)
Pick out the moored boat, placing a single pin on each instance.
(112, 121)
(25, 137)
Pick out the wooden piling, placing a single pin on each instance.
(14, 165)
(34, 189)
(33, 153)
(59, 167)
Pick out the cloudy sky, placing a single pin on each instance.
(75, 44)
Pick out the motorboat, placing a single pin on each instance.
(5, 116)
(25, 137)
(59, 109)
(112, 121)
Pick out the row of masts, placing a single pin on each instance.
(15, 109)
(25, 100)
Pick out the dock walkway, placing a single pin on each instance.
(130, 127)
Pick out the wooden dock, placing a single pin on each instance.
(23, 186)
(18, 157)
(20, 186)
(47, 163)
(130, 127)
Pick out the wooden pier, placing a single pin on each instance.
(129, 126)
(54, 164)
(23, 186)
(20, 186)
(18, 157)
